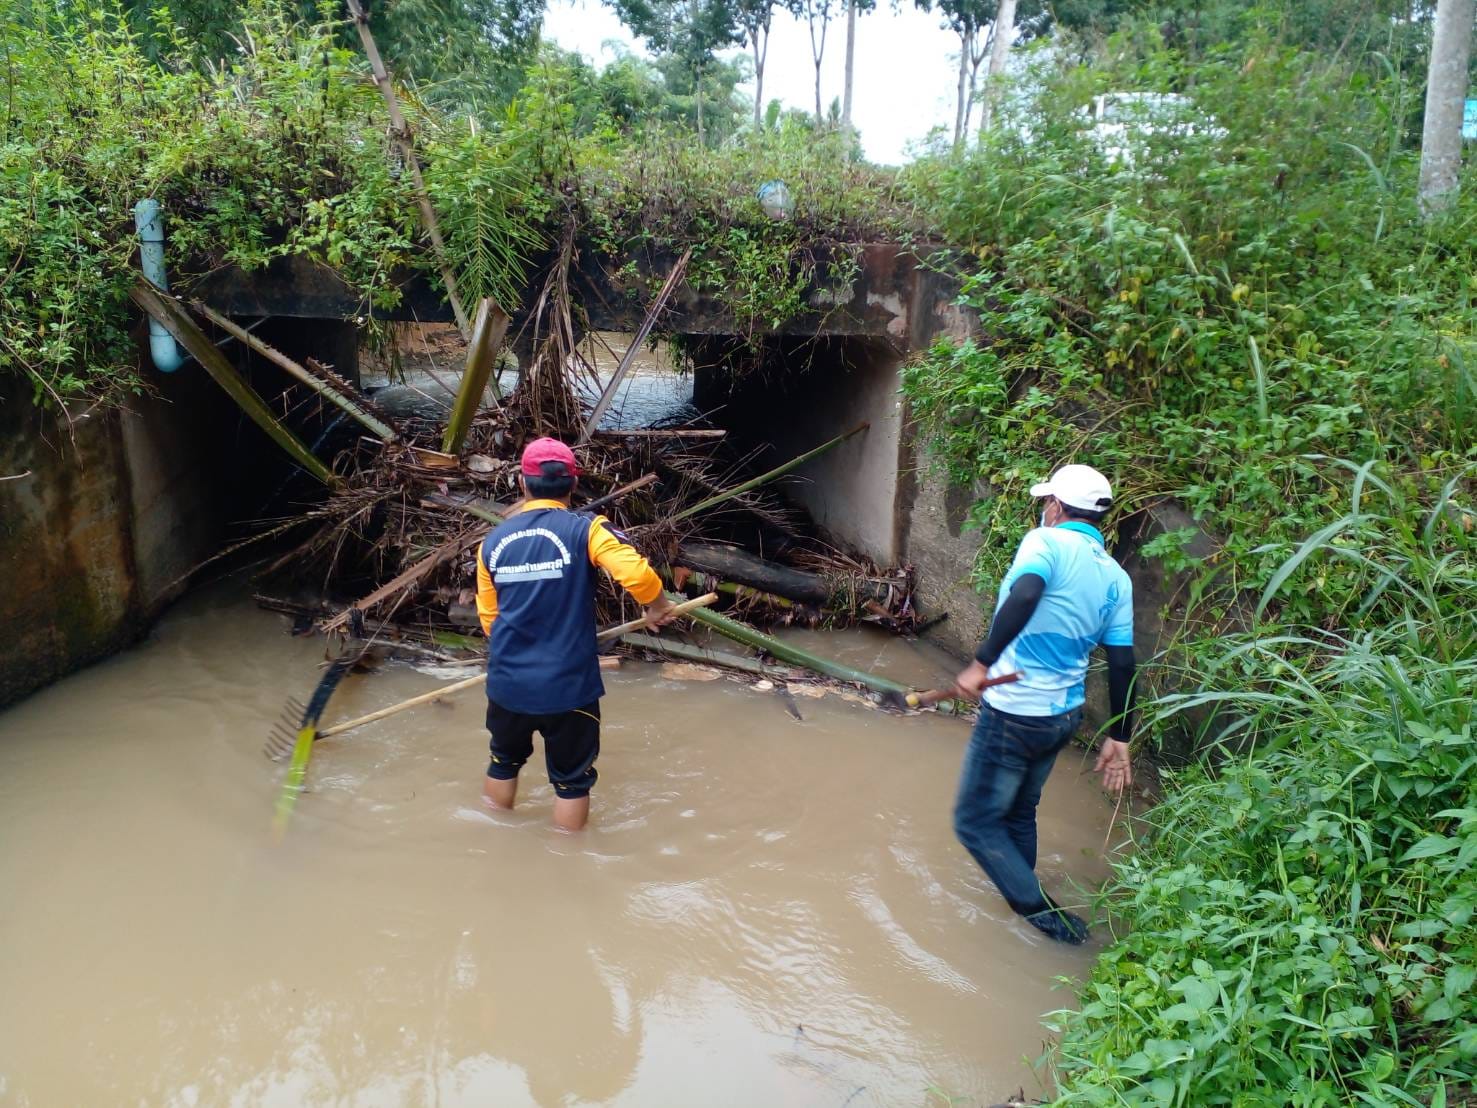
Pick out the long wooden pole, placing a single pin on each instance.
(686, 608)
(404, 138)
(178, 323)
(275, 356)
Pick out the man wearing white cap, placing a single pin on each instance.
(1062, 597)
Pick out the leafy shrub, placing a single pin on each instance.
(1205, 322)
(283, 149)
(1299, 926)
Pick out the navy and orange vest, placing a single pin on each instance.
(541, 655)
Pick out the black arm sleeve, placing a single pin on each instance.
(1012, 617)
(1120, 692)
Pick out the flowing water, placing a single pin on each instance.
(764, 911)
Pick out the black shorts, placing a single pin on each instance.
(571, 745)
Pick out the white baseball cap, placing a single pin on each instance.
(1078, 487)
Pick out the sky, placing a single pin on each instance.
(906, 67)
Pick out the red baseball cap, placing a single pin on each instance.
(539, 451)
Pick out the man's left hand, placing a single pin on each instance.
(1115, 764)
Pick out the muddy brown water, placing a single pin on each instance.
(763, 912)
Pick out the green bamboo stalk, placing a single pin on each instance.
(740, 632)
(487, 337)
(765, 478)
(272, 354)
(689, 653)
(178, 323)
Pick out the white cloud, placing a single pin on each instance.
(905, 69)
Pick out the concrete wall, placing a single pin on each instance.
(803, 396)
(942, 552)
(93, 541)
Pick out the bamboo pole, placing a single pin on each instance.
(487, 337)
(178, 323)
(438, 501)
(272, 354)
(739, 632)
(663, 433)
(764, 478)
(685, 608)
(424, 698)
(649, 321)
(404, 138)
(689, 653)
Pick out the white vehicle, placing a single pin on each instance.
(1121, 123)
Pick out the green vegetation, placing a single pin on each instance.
(282, 149)
(1298, 923)
(1247, 298)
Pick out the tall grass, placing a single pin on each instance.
(1297, 926)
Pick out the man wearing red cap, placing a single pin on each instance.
(536, 599)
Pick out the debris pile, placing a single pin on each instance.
(392, 550)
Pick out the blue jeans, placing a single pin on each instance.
(1007, 763)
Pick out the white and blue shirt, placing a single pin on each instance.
(1088, 601)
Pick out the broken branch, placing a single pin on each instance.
(487, 337)
(178, 323)
(328, 392)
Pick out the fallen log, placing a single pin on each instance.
(732, 563)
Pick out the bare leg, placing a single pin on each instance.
(499, 794)
(570, 814)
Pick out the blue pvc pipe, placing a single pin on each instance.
(162, 348)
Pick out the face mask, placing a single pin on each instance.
(1043, 517)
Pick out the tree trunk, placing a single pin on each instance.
(698, 90)
(730, 563)
(817, 51)
(1446, 93)
(759, 80)
(974, 71)
(999, 49)
(966, 43)
(850, 57)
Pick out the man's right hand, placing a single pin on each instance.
(659, 613)
(971, 681)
